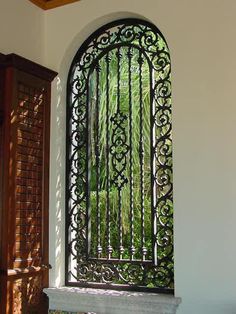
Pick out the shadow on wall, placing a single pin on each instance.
(58, 149)
(57, 184)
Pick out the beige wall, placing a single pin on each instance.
(21, 29)
(201, 36)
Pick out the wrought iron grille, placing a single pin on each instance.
(119, 160)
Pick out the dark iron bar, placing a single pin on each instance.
(97, 156)
(141, 147)
(118, 55)
(89, 105)
(153, 168)
(121, 248)
(108, 213)
(132, 248)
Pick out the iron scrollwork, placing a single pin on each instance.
(152, 268)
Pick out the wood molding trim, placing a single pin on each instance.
(51, 4)
(39, 3)
(20, 63)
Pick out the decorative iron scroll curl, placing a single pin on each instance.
(156, 276)
(119, 149)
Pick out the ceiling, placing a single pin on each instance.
(50, 4)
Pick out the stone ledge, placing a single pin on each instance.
(73, 299)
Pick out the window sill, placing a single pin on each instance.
(73, 299)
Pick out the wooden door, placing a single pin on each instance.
(25, 176)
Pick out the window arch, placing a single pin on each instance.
(119, 226)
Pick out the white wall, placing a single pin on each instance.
(21, 29)
(201, 36)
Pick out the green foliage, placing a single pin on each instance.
(113, 193)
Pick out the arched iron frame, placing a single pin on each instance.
(157, 275)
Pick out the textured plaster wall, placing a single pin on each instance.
(201, 36)
(21, 29)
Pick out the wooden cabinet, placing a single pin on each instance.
(24, 177)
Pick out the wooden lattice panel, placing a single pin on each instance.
(27, 293)
(29, 169)
(24, 181)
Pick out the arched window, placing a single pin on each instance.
(119, 227)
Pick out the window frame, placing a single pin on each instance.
(78, 56)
